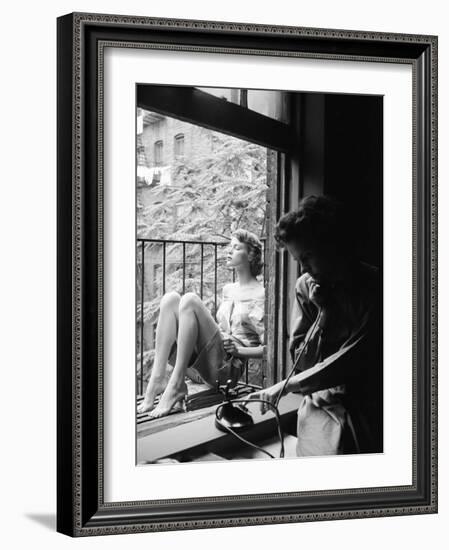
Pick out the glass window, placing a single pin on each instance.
(179, 145)
(265, 102)
(158, 152)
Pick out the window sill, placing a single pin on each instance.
(194, 433)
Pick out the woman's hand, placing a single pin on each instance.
(321, 296)
(270, 394)
(318, 294)
(230, 346)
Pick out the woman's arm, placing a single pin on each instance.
(243, 352)
(352, 359)
(331, 372)
(303, 314)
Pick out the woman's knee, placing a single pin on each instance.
(190, 301)
(170, 300)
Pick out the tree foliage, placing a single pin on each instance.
(210, 195)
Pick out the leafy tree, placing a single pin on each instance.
(211, 194)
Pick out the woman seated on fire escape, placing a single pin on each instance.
(207, 351)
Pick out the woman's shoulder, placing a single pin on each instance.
(247, 293)
(229, 290)
(257, 292)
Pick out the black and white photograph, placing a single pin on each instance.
(259, 273)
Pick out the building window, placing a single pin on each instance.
(158, 152)
(213, 142)
(179, 145)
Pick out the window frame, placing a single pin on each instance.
(158, 149)
(194, 106)
(177, 140)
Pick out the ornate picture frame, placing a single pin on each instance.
(81, 508)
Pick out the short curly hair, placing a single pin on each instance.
(254, 249)
(319, 220)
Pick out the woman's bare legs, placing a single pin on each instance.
(167, 327)
(196, 328)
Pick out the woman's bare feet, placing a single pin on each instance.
(171, 399)
(154, 388)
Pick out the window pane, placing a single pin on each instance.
(196, 186)
(265, 102)
(158, 153)
(179, 145)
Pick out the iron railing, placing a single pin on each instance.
(142, 245)
(164, 247)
